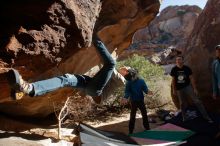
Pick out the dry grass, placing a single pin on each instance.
(162, 97)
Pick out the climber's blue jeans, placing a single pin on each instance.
(92, 86)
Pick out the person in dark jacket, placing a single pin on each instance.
(216, 74)
(134, 90)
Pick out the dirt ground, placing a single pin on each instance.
(120, 124)
(115, 120)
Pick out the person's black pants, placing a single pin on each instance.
(141, 106)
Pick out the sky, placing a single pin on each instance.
(165, 3)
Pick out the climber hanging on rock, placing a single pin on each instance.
(92, 86)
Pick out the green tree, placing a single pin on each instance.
(146, 69)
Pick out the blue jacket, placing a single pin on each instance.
(134, 90)
(216, 77)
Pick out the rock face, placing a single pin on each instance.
(45, 38)
(201, 52)
(169, 30)
(172, 27)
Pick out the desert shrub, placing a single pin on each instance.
(181, 12)
(165, 38)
